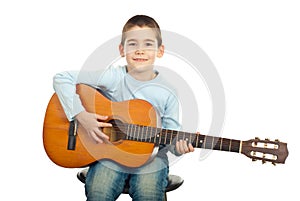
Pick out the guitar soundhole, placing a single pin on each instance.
(115, 133)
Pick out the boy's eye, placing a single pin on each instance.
(149, 44)
(131, 44)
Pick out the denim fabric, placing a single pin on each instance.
(105, 181)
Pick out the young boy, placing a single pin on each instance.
(141, 43)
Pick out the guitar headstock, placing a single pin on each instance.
(265, 150)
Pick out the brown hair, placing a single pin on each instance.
(142, 21)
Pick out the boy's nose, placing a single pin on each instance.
(139, 51)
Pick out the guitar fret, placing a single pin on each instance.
(129, 131)
(221, 144)
(240, 147)
(166, 135)
(142, 134)
(217, 143)
(235, 146)
(154, 139)
(151, 131)
(154, 133)
(197, 139)
(225, 145)
(138, 132)
(134, 132)
(207, 143)
(146, 134)
(212, 142)
(140, 137)
(159, 137)
(150, 136)
(202, 141)
(230, 145)
(162, 136)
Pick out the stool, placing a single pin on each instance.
(174, 182)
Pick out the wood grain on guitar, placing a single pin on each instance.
(134, 135)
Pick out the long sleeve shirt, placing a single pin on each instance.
(116, 84)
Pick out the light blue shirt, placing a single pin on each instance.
(116, 84)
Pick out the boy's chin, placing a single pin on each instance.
(142, 67)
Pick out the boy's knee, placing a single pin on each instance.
(148, 187)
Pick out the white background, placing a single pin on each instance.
(254, 45)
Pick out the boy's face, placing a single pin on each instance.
(140, 47)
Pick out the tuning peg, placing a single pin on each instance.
(274, 163)
(276, 140)
(255, 141)
(263, 161)
(253, 159)
(267, 139)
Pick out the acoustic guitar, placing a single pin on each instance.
(134, 136)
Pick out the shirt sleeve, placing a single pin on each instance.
(64, 84)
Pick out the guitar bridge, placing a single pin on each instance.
(72, 135)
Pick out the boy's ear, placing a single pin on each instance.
(121, 50)
(160, 51)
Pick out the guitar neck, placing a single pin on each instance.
(165, 136)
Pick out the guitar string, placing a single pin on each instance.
(222, 143)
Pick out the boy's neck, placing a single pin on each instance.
(142, 73)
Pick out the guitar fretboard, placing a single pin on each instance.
(165, 136)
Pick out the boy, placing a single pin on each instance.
(141, 43)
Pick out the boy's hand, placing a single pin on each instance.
(182, 147)
(92, 124)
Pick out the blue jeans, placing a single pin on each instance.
(105, 181)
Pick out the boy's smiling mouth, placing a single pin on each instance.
(140, 59)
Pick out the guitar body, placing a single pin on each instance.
(125, 152)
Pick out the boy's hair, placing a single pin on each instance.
(142, 21)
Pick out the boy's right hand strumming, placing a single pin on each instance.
(92, 123)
